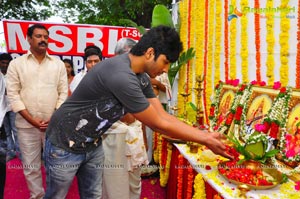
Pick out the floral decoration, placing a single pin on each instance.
(226, 64)
(237, 106)
(244, 43)
(257, 41)
(164, 161)
(199, 187)
(276, 117)
(297, 186)
(190, 182)
(214, 108)
(180, 176)
(218, 29)
(233, 44)
(298, 51)
(284, 44)
(270, 40)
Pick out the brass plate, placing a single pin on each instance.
(268, 169)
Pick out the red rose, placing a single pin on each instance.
(238, 114)
(283, 90)
(263, 83)
(229, 119)
(274, 130)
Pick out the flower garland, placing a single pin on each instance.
(277, 115)
(199, 13)
(190, 182)
(205, 60)
(226, 40)
(232, 46)
(199, 43)
(218, 28)
(156, 146)
(237, 105)
(257, 41)
(244, 43)
(298, 51)
(188, 46)
(214, 108)
(245, 91)
(180, 176)
(270, 63)
(183, 10)
(284, 44)
(165, 160)
(199, 187)
(210, 53)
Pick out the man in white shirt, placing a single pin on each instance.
(36, 86)
(92, 56)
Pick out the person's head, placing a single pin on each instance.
(69, 67)
(161, 46)
(92, 56)
(124, 45)
(5, 58)
(37, 36)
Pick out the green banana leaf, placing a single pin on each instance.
(161, 16)
(182, 60)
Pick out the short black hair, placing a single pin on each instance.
(5, 56)
(69, 61)
(35, 26)
(163, 39)
(92, 50)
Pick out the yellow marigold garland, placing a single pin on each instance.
(199, 187)
(210, 53)
(232, 49)
(218, 29)
(199, 13)
(166, 149)
(183, 17)
(156, 146)
(284, 44)
(270, 39)
(244, 43)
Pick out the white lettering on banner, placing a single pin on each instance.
(113, 39)
(66, 41)
(84, 38)
(14, 32)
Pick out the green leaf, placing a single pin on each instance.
(193, 106)
(182, 60)
(161, 16)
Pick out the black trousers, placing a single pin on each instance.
(2, 163)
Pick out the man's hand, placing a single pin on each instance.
(214, 143)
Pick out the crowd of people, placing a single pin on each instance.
(90, 125)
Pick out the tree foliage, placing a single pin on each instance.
(25, 9)
(108, 12)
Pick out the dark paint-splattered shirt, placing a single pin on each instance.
(108, 91)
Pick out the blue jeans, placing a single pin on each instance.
(62, 166)
(11, 133)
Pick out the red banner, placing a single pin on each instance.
(67, 40)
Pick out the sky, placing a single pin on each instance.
(51, 19)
